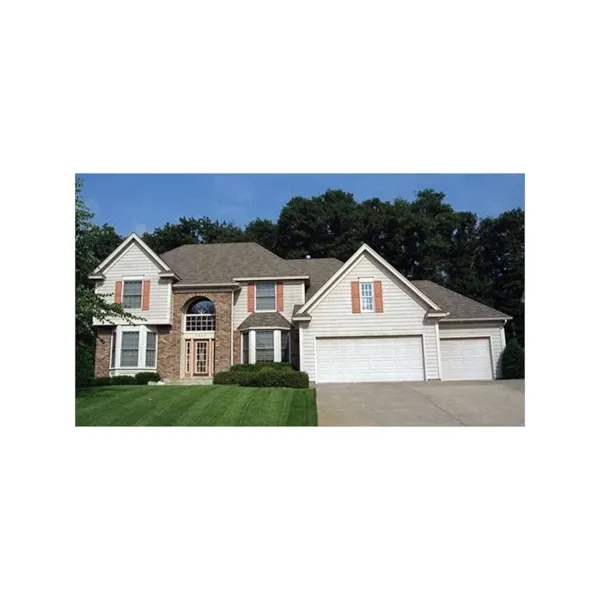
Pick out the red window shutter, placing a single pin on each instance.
(250, 297)
(280, 296)
(355, 297)
(146, 295)
(378, 297)
(118, 292)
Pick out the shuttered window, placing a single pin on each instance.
(132, 294)
(265, 296)
(366, 297)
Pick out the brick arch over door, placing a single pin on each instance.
(169, 338)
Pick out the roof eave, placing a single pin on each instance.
(457, 319)
(202, 286)
(271, 278)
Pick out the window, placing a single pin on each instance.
(265, 296)
(113, 349)
(132, 294)
(245, 347)
(366, 297)
(265, 349)
(285, 346)
(200, 315)
(130, 341)
(151, 349)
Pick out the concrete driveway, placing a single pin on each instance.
(499, 403)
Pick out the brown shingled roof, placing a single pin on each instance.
(319, 270)
(265, 319)
(221, 263)
(459, 306)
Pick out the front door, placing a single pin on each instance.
(201, 357)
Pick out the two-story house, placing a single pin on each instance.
(200, 308)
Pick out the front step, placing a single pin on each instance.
(191, 381)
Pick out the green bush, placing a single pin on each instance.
(225, 378)
(513, 361)
(267, 376)
(122, 380)
(253, 368)
(144, 377)
(99, 381)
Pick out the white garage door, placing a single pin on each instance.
(466, 358)
(369, 359)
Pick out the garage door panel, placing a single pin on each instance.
(466, 359)
(398, 358)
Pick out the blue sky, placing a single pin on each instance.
(143, 202)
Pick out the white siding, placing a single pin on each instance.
(477, 330)
(403, 314)
(134, 262)
(292, 294)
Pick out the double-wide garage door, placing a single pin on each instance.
(466, 358)
(354, 359)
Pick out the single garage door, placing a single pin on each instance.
(466, 358)
(358, 359)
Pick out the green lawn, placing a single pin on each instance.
(195, 405)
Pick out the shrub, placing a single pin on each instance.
(144, 377)
(99, 381)
(225, 378)
(513, 361)
(122, 380)
(265, 377)
(253, 368)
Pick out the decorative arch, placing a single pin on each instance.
(200, 314)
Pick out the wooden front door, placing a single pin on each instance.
(198, 358)
(201, 360)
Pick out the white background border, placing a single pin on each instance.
(288, 513)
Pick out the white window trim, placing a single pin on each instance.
(265, 310)
(273, 333)
(132, 280)
(143, 331)
(138, 350)
(372, 286)
(154, 366)
(277, 344)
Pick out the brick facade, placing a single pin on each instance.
(102, 360)
(169, 338)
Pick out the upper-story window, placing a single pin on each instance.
(132, 294)
(265, 295)
(200, 315)
(366, 296)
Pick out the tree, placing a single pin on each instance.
(90, 240)
(191, 230)
(513, 360)
(322, 226)
(263, 232)
(502, 266)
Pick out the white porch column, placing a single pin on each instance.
(277, 345)
(252, 346)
